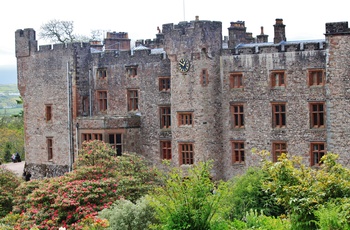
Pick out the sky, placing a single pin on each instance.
(304, 19)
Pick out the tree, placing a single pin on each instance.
(58, 31)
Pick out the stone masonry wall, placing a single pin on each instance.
(257, 96)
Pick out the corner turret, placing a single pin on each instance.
(25, 41)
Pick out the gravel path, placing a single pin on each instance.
(15, 167)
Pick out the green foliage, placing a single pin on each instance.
(95, 184)
(256, 221)
(334, 215)
(187, 201)
(247, 193)
(302, 190)
(8, 183)
(11, 138)
(124, 214)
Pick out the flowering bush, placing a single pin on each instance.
(94, 184)
(8, 183)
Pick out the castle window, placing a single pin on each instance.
(165, 117)
(237, 152)
(204, 78)
(316, 77)
(48, 112)
(164, 84)
(102, 73)
(91, 136)
(317, 115)
(237, 116)
(317, 151)
(49, 143)
(133, 100)
(165, 148)
(278, 79)
(186, 154)
(86, 105)
(277, 149)
(102, 100)
(131, 70)
(279, 115)
(185, 118)
(236, 80)
(115, 140)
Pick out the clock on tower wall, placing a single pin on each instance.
(184, 65)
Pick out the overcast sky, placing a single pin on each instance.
(304, 19)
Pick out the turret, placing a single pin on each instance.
(25, 42)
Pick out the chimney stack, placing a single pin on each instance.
(280, 31)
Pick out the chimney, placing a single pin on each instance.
(237, 34)
(280, 31)
(262, 38)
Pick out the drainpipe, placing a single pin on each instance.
(70, 133)
(90, 99)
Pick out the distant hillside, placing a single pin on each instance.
(9, 95)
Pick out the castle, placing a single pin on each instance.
(188, 95)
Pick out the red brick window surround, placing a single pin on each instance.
(317, 151)
(165, 149)
(48, 112)
(186, 154)
(316, 77)
(279, 115)
(236, 80)
(102, 100)
(237, 115)
(102, 73)
(91, 136)
(185, 118)
(164, 83)
(133, 100)
(277, 149)
(49, 144)
(278, 79)
(165, 117)
(131, 70)
(115, 140)
(317, 114)
(204, 77)
(238, 152)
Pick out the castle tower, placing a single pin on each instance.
(194, 51)
(337, 76)
(280, 31)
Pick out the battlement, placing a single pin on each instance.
(185, 25)
(64, 46)
(292, 46)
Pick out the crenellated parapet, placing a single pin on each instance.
(292, 46)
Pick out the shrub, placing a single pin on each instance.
(334, 215)
(8, 183)
(302, 190)
(187, 200)
(94, 184)
(124, 214)
(247, 193)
